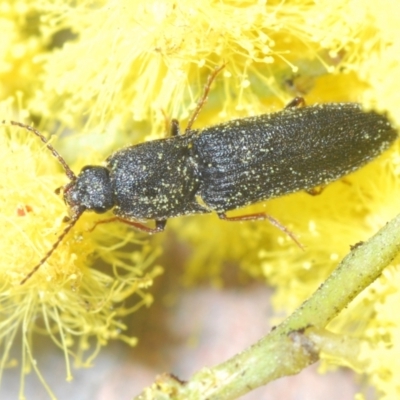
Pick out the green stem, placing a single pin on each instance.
(294, 344)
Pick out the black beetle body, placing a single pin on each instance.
(226, 166)
(234, 164)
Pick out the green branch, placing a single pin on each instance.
(295, 343)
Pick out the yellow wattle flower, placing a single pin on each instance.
(112, 70)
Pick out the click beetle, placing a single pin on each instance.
(225, 166)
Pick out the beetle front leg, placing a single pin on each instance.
(160, 225)
(260, 217)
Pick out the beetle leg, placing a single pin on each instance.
(160, 225)
(203, 98)
(297, 102)
(171, 125)
(260, 217)
(315, 191)
(174, 128)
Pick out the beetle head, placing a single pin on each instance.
(91, 190)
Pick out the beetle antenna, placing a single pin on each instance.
(71, 175)
(72, 222)
(204, 97)
(55, 153)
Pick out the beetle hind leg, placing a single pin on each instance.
(260, 217)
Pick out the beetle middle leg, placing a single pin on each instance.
(160, 225)
(259, 217)
(173, 125)
(204, 97)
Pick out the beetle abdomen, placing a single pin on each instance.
(252, 159)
